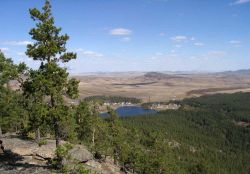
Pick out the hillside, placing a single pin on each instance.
(160, 86)
(209, 134)
(26, 156)
(163, 86)
(238, 72)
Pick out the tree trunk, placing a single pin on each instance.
(38, 135)
(115, 156)
(1, 133)
(57, 137)
(56, 124)
(93, 137)
(16, 128)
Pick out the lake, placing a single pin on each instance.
(126, 111)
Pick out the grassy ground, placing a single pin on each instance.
(161, 87)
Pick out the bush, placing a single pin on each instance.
(42, 142)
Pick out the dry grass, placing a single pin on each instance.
(163, 87)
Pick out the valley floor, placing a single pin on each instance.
(162, 87)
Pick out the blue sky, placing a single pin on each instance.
(139, 35)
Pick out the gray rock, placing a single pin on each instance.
(33, 159)
(80, 153)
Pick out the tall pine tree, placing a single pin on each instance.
(50, 84)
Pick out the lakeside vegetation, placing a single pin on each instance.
(112, 99)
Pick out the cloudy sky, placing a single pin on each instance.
(139, 35)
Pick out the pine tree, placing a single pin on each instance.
(83, 117)
(8, 98)
(95, 122)
(114, 126)
(50, 84)
(90, 125)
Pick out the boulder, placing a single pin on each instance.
(23, 151)
(80, 153)
(46, 152)
(33, 159)
(107, 167)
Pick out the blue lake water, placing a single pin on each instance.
(126, 111)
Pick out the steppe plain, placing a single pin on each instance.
(163, 86)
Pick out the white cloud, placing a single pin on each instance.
(235, 42)
(241, 1)
(160, 57)
(21, 54)
(120, 32)
(212, 56)
(88, 53)
(199, 44)
(178, 46)
(158, 54)
(126, 39)
(4, 49)
(18, 43)
(217, 53)
(152, 58)
(179, 38)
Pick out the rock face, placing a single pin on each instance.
(80, 153)
(26, 148)
(106, 167)
(26, 157)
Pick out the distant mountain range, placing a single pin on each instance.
(238, 72)
(164, 73)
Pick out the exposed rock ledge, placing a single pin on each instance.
(26, 157)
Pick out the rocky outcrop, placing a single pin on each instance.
(25, 157)
(106, 167)
(80, 153)
(29, 150)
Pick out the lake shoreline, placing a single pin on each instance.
(128, 111)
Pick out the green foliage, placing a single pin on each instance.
(71, 166)
(42, 142)
(49, 45)
(46, 88)
(68, 125)
(112, 99)
(84, 121)
(201, 137)
(10, 71)
(63, 150)
(12, 114)
(115, 136)
(91, 129)
(80, 169)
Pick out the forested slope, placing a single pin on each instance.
(203, 136)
